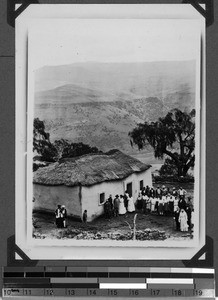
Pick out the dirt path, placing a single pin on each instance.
(45, 225)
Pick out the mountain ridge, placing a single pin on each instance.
(99, 106)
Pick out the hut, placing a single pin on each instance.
(85, 182)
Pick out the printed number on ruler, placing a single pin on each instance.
(177, 293)
(71, 292)
(133, 292)
(155, 292)
(197, 293)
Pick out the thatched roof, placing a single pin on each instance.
(89, 169)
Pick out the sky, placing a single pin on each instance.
(67, 41)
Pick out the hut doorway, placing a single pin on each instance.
(129, 188)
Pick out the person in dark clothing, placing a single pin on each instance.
(116, 205)
(157, 206)
(174, 192)
(164, 191)
(110, 201)
(147, 191)
(189, 215)
(158, 193)
(107, 209)
(125, 198)
(85, 216)
(143, 191)
(182, 204)
(58, 216)
(189, 209)
(63, 216)
(139, 201)
(189, 203)
(171, 204)
(176, 218)
(152, 193)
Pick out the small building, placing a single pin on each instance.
(85, 182)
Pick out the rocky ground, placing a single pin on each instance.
(148, 227)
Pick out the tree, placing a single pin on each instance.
(172, 136)
(40, 137)
(41, 141)
(61, 146)
(78, 149)
(168, 168)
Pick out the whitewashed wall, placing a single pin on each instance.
(135, 179)
(48, 197)
(90, 195)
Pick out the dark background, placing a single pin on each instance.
(7, 139)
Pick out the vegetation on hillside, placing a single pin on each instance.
(51, 152)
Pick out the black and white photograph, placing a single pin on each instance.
(114, 131)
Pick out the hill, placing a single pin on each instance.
(99, 104)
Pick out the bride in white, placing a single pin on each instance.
(131, 205)
(122, 209)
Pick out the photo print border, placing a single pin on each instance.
(39, 251)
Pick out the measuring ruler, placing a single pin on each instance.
(106, 282)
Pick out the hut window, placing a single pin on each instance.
(141, 184)
(102, 198)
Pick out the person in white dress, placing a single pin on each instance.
(183, 220)
(149, 204)
(131, 205)
(153, 202)
(122, 209)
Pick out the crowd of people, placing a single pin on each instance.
(120, 205)
(161, 201)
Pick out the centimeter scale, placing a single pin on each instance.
(107, 282)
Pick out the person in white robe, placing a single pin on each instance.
(131, 205)
(149, 204)
(122, 209)
(153, 202)
(183, 220)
